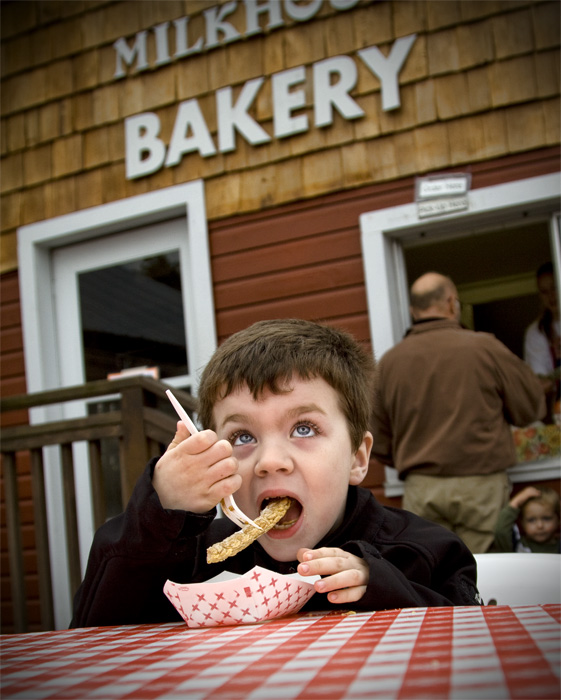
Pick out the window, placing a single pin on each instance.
(517, 223)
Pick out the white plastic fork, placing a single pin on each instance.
(229, 507)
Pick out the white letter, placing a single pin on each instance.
(162, 48)
(189, 115)
(128, 55)
(236, 117)
(141, 137)
(387, 69)
(326, 94)
(181, 44)
(252, 10)
(343, 4)
(214, 24)
(284, 102)
(301, 13)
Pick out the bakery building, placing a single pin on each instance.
(173, 171)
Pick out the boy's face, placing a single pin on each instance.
(293, 444)
(539, 522)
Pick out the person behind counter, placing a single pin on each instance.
(537, 511)
(542, 345)
(285, 405)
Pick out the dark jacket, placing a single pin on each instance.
(413, 563)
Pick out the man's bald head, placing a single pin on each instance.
(434, 295)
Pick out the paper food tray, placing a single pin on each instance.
(230, 599)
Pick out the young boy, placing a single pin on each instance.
(286, 406)
(537, 511)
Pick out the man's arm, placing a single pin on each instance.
(523, 394)
(381, 429)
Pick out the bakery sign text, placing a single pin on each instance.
(332, 81)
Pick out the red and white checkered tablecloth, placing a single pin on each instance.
(462, 652)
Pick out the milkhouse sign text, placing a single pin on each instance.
(332, 81)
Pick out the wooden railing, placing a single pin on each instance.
(143, 422)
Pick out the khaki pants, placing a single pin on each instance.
(467, 505)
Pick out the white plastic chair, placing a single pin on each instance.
(519, 578)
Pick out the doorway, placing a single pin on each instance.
(120, 309)
(65, 265)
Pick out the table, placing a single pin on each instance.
(463, 652)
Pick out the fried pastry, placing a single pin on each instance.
(269, 517)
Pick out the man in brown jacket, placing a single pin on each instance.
(445, 399)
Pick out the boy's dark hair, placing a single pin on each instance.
(269, 353)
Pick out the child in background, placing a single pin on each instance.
(537, 512)
(285, 406)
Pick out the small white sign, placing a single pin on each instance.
(436, 207)
(436, 186)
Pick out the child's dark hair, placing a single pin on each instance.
(267, 355)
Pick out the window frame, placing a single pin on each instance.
(382, 234)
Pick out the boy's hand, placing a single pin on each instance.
(520, 499)
(195, 472)
(345, 574)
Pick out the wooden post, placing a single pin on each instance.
(134, 448)
(96, 477)
(13, 526)
(42, 540)
(70, 517)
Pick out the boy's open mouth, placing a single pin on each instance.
(290, 517)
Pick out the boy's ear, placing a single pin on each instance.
(362, 457)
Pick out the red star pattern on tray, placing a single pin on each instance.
(258, 595)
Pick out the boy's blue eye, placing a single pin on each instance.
(241, 438)
(305, 430)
